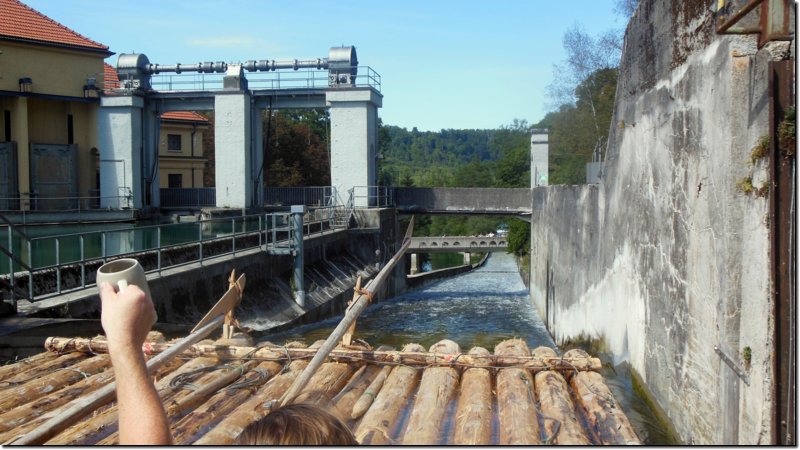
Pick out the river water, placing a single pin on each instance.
(479, 308)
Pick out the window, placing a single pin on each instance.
(174, 142)
(175, 180)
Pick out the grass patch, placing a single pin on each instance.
(761, 149)
(787, 133)
(745, 185)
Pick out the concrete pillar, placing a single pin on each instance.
(234, 142)
(467, 258)
(354, 140)
(539, 157)
(120, 140)
(151, 125)
(297, 212)
(414, 264)
(19, 133)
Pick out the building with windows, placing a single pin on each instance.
(181, 163)
(50, 79)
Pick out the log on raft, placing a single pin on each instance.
(473, 424)
(9, 370)
(410, 358)
(517, 417)
(185, 397)
(21, 415)
(436, 390)
(186, 430)
(559, 421)
(328, 380)
(225, 432)
(379, 422)
(104, 422)
(41, 386)
(368, 395)
(27, 372)
(601, 408)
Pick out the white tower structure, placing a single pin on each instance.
(539, 157)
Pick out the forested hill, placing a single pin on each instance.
(464, 158)
(443, 147)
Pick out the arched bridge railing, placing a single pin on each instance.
(459, 244)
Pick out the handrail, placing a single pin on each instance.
(298, 79)
(273, 231)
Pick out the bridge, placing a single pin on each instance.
(458, 244)
(487, 201)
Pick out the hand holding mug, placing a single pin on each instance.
(127, 312)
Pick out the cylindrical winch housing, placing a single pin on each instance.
(342, 66)
(133, 71)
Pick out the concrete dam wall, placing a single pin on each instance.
(666, 258)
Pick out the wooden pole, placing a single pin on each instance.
(473, 423)
(365, 400)
(227, 327)
(561, 425)
(515, 403)
(435, 391)
(416, 358)
(351, 315)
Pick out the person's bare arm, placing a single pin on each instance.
(127, 318)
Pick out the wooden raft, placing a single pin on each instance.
(412, 396)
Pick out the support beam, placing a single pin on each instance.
(354, 141)
(414, 264)
(299, 276)
(539, 157)
(235, 144)
(120, 139)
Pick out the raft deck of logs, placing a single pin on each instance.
(410, 396)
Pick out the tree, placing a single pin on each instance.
(626, 8)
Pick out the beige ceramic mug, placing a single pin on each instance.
(122, 272)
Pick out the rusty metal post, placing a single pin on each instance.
(782, 257)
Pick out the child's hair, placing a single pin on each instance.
(297, 424)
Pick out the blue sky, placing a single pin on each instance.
(444, 64)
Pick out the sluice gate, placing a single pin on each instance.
(411, 396)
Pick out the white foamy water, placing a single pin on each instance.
(478, 308)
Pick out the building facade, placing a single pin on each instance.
(181, 163)
(50, 78)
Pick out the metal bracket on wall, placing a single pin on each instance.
(735, 367)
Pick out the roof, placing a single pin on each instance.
(110, 78)
(183, 116)
(20, 22)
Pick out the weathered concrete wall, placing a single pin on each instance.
(666, 257)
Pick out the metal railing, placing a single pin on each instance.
(75, 256)
(298, 79)
(371, 197)
(31, 201)
(188, 197)
(309, 196)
